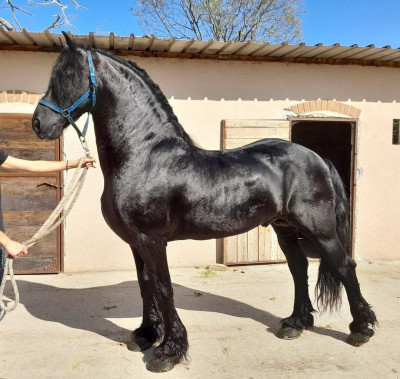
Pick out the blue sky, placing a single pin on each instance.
(361, 22)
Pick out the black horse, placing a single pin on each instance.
(159, 187)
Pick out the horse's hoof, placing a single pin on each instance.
(139, 344)
(357, 339)
(160, 365)
(287, 333)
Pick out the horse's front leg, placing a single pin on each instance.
(301, 318)
(151, 329)
(160, 319)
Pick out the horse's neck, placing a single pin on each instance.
(130, 116)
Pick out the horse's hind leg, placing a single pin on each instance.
(159, 311)
(319, 226)
(301, 318)
(344, 268)
(151, 328)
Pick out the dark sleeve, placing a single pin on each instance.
(3, 157)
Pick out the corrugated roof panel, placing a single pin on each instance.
(195, 47)
(189, 44)
(280, 50)
(111, 40)
(102, 42)
(205, 45)
(314, 50)
(215, 47)
(328, 51)
(38, 39)
(360, 54)
(230, 48)
(265, 50)
(225, 47)
(348, 52)
(394, 55)
(51, 39)
(84, 39)
(336, 51)
(92, 39)
(5, 38)
(121, 43)
(259, 49)
(150, 43)
(140, 43)
(295, 51)
(20, 38)
(243, 49)
(131, 41)
(177, 46)
(157, 44)
(376, 54)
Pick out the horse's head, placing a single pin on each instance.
(70, 80)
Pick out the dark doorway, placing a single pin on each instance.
(333, 140)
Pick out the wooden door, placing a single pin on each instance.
(259, 245)
(28, 199)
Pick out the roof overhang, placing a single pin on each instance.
(150, 46)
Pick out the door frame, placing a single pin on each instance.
(354, 156)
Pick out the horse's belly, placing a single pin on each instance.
(220, 225)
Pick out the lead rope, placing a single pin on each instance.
(65, 205)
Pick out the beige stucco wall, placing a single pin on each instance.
(204, 92)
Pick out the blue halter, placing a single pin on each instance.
(67, 112)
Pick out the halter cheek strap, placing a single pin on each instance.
(67, 112)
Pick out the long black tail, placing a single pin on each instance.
(328, 289)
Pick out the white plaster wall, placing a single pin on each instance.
(202, 93)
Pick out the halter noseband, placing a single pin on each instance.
(67, 112)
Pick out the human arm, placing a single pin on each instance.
(15, 249)
(12, 163)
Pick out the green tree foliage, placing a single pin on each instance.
(274, 21)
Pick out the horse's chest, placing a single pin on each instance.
(134, 210)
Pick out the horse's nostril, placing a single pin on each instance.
(36, 125)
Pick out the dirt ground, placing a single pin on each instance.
(76, 326)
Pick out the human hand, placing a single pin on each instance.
(15, 249)
(89, 162)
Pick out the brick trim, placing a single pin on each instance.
(315, 106)
(15, 96)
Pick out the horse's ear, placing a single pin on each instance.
(71, 44)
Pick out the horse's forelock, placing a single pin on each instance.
(67, 72)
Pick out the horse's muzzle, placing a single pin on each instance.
(36, 126)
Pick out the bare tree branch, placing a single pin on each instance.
(14, 8)
(55, 23)
(61, 18)
(237, 20)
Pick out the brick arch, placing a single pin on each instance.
(319, 105)
(14, 96)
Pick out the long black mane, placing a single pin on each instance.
(136, 70)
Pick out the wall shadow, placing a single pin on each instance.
(90, 308)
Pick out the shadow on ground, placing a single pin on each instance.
(91, 308)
